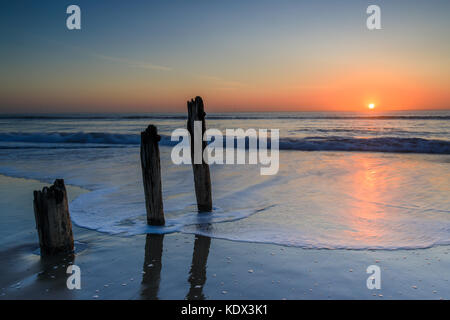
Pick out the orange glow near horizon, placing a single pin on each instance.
(320, 89)
(232, 58)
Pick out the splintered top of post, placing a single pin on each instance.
(196, 110)
(150, 134)
(56, 191)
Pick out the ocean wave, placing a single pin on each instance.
(315, 143)
(67, 137)
(379, 144)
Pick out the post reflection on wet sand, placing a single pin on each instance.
(53, 272)
(197, 274)
(152, 266)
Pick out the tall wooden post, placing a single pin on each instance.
(51, 211)
(151, 176)
(202, 176)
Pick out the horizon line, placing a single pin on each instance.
(213, 112)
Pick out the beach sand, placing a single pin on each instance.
(185, 266)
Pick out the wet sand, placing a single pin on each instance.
(185, 266)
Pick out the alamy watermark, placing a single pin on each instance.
(374, 281)
(73, 21)
(74, 280)
(373, 22)
(241, 147)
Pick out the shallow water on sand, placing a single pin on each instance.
(317, 200)
(178, 266)
(322, 199)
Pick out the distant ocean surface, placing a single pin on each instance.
(346, 180)
(415, 132)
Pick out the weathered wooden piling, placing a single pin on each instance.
(151, 176)
(202, 176)
(51, 211)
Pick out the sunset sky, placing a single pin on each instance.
(253, 55)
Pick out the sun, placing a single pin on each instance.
(371, 106)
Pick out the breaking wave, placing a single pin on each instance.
(17, 140)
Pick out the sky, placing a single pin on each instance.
(246, 55)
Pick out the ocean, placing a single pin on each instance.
(346, 180)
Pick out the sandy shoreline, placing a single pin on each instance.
(180, 266)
